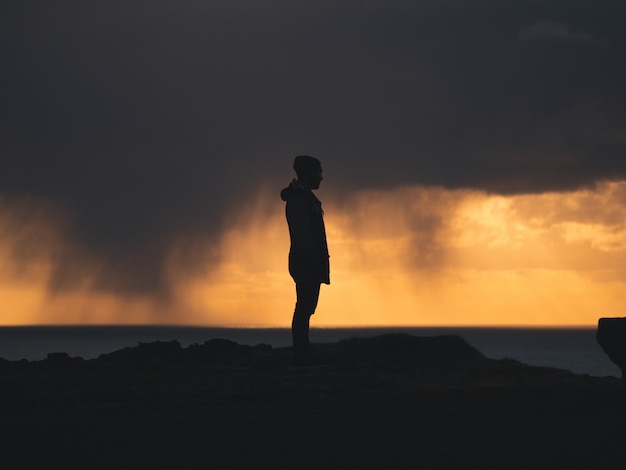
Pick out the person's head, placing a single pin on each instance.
(309, 171)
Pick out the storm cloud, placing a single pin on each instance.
(146, 123)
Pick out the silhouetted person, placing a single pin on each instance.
(308, 255)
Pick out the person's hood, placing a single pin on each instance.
(291, 190)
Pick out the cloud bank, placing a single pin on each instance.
(141, 129)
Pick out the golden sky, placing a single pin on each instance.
(409, 256)
(130, 163)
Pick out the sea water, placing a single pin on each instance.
(573, 349)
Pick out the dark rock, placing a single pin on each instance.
(434, 352)
(157, 352)
(216, 350)
(58, 357)
(611, 335)
(263, 347)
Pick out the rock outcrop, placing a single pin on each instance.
(611, 335)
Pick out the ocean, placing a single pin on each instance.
(573, 349)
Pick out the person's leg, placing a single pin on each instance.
(307, 293)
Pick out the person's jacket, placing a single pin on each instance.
(308, 255)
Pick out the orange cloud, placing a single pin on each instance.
(429, 256)
(406, 256)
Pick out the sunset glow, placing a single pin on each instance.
(471, 154)
(410, 256)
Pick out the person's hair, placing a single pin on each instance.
(304, 165)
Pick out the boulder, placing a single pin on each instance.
(443, 352)
(611, 335)
(155, 353)
(58, 357)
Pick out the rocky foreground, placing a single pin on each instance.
(392, 402)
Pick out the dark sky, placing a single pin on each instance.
(147, 121)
